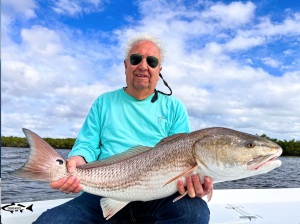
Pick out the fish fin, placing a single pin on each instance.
(21, 211)
(180, 196)
(209, 196)
(180, 175)
(40, 159)
(169, 138)
(30, 208)
(11, 212)
(137, 150)
(110, 206)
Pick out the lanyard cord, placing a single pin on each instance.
(155, 97)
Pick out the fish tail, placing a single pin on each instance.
(40, 160)
(30, 208)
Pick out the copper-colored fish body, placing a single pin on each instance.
(147, 173)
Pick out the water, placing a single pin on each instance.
(21, 190)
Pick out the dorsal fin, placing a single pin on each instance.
(117, 158)
(168, 139)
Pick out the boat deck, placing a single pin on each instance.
(259, 206)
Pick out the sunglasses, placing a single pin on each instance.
(135, 59)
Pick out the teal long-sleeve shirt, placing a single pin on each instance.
(118, 121)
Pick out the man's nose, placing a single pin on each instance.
(143, 65)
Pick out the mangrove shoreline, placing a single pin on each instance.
(290, 148)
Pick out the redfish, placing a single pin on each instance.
(147, 173)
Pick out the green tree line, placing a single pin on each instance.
(57, 143)
(290, 148)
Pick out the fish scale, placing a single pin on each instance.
(148, 173)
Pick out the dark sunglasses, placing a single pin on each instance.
(135, 59)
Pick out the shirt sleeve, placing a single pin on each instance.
(181, 122)
(87, 143)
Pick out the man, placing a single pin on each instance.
(119, 120)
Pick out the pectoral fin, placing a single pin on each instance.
(181, 196)
(209, 196)
(110, 206)
(180, 175)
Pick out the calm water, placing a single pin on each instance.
(21, 190)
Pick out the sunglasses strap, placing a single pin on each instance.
(155, 97)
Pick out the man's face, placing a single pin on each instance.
(142, 76)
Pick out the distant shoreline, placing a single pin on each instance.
(290, 148)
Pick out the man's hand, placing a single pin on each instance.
(72, 183)
(194, 186)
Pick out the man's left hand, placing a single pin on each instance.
(194, 186)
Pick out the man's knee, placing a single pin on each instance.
(60, 214)
(192, 210)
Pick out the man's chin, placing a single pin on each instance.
(141, 87)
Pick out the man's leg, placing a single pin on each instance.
(187, 210)
(83, 209)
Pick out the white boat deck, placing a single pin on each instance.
(259, 206)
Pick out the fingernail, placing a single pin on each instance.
(195, 176)
(71, 169)
(189, 179)
(72, 177)
(207, 180)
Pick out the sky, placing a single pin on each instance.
(234, 64)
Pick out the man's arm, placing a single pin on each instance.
(193, 184)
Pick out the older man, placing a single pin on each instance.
(119, 120)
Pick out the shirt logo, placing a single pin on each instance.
(162, 118)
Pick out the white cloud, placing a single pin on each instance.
(249, 61)
(288, 52)
(41, 41)
(25, 7)
(73, 8)
(289, 26)
(231, 15)
(243, 43)
(271, 62)
(12, 9)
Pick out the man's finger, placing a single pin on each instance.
(180, 187)
(197, 185)
(207, 186)
(78, 189)
(71, 164)
(58, 184)
(190, 187)
(68, 183)
(73, 187)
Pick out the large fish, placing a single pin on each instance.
(147, 173)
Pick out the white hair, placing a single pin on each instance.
(148, 37)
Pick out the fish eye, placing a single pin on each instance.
(60, 161)
(250, 145)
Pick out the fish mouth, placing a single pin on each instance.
(262, 161)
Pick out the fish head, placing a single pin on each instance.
(236, 154)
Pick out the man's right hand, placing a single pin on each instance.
(72, 183)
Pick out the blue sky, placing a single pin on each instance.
(234, 64)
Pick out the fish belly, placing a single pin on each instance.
(146, 189)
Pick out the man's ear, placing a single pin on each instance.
(125, 64)
(159, 73)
